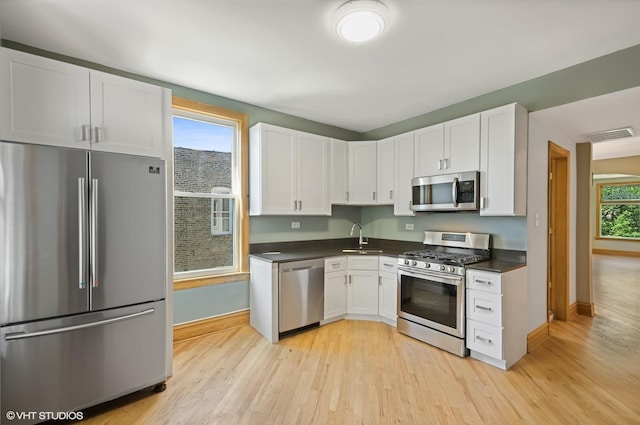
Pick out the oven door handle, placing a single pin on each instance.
(450, 279)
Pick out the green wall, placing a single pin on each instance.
(613, 72)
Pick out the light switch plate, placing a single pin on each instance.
(408, 226)
(295, 224)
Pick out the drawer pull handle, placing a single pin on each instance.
(481, 307)
(485, 340)
(484, 282)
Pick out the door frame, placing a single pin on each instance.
(558, 191)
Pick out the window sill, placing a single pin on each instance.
(210, 280)
(603, 238)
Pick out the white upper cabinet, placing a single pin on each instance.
(44, 101)
(403, 157)
(450, 147)
(428, 149)
(362, 173)
(462, 145)
(49, 102)
(339, 172)
(385, 172)
(289, 172)
(503, 163)
(126, 115)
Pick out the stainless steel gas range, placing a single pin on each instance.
(431, 288)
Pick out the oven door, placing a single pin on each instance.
(432, 299)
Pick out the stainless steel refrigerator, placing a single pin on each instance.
(82, 277)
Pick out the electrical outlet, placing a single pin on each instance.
(295, 224)
(408, 226)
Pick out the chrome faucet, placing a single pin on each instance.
(360, 239)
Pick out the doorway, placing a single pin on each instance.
(558, 236)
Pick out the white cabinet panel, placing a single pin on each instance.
(388, 292)
(385, 171)
(313, 191)
(363, 292)
(335, 287)
(503, 161)
(462, 144)
(428, 146)
(44, 101)
(134, 129)
(403, 145)
(362, 173)
(339, 172)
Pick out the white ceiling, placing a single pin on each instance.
(283, 54)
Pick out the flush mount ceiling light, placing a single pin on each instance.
(359, 21)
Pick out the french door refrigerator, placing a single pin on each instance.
(82, 277)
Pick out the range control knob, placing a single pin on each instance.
(442, 267)
(452, 269)
(414, 263)
(427, 265)
(406, 262)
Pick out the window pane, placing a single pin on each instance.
(620, 220)
(195, 247)
(622, 192)
(202, 155)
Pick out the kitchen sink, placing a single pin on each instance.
(362, 251)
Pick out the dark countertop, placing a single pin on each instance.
(279, 252)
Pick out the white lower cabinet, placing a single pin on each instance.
(360, 287)
(388, 289)
(335, 287)
(497, 316)
(362, 284)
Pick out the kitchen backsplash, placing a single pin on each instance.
(379, 222)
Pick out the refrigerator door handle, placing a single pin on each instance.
(82, 240)
(94, 233)
(23, 335)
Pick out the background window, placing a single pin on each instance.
(619, 210)
(205, 192)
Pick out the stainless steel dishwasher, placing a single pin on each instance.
(301, 294)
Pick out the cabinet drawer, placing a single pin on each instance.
(485, 339)
(484, 281)
(362, 262)
(334, 264)
(485, 307)
(388, 264)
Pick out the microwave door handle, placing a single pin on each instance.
(454, 192)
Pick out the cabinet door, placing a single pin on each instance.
(339, 173)
(428, 145)
(363, 292)
(43, 101)
(462, 144)
(335, 294)
(403, 158)
(312, 175)
(503, 165)
(126, 115)
(385, 172)
(388, 294)
(362, 173)
(272, 174)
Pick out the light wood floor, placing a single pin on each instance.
(355, 372)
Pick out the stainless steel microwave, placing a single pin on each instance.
(446, 192)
